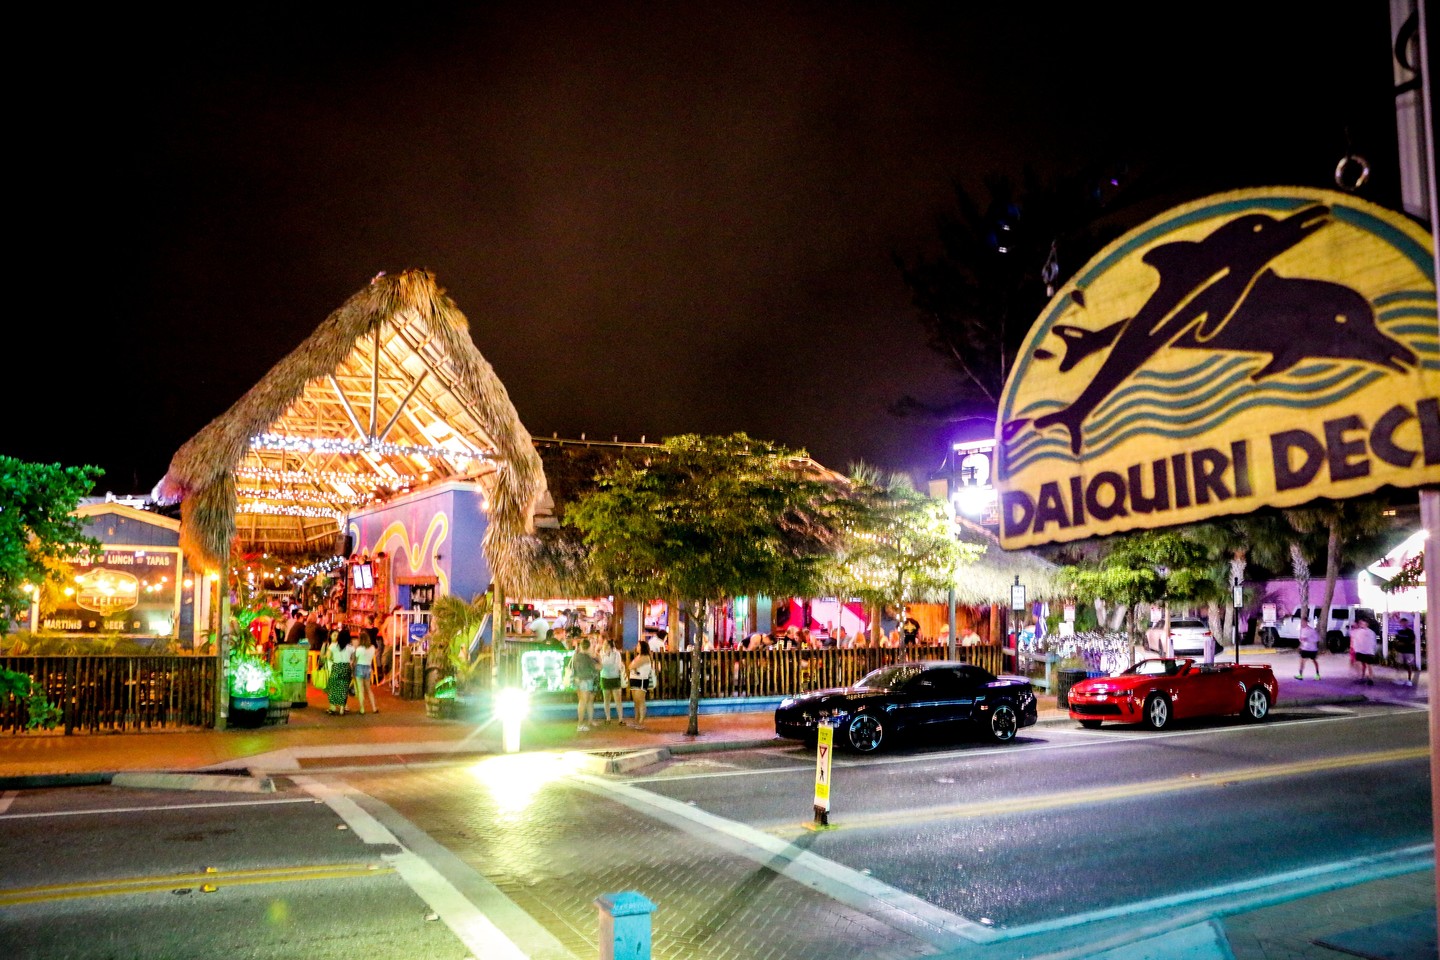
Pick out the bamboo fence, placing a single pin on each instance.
(114, 693)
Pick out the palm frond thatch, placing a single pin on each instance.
(430, 336)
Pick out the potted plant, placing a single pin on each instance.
(454, 625)
(248, 679)
(278, 711)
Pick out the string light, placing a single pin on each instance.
(367, 480)
(319, 567)
(292, 495)
(382, 448)
(275, 510)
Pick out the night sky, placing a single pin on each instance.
(660, 218)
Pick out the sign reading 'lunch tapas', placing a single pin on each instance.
(1257, 348)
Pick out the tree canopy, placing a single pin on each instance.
(899, 545)
(38, 530)
(705, 518)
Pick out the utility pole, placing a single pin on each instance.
(1415, 133)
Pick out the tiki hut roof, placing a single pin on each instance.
(989, 578)
(389, 394)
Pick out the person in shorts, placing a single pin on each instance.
(1362, 642)
(1309, 650)
(642, 672)
(1402, 644)
(612, 668)
(585, 670)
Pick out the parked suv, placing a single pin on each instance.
(1187, 637)
(1286, 633)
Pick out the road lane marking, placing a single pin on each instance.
(889, 905)
(165, 806)
(1247, 895)
(163, 884)
(1128, 791)
(7, 798)
(1078, 739)
(475, 930)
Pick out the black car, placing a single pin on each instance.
(926, 698)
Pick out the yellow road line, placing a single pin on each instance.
(1088, 795)
(161, 884)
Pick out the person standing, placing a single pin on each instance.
(642, 672)
(1309, 650)
(585, 671)
(341, 657)
(910, 630)
(1362, 642)
(1402, 644)
(295, 631)
(612, 666)
(364, 666)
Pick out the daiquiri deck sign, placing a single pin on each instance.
(1257, 348)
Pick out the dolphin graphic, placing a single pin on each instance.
(1219, 294)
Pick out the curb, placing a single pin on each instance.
(213, 782)
(47, 781)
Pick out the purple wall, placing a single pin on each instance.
(435, 533)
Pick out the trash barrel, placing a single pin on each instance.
(1067, 678)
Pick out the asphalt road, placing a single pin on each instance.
(964, 849)
(1070, 822)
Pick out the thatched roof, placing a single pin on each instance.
(989, 578)
(388, 394)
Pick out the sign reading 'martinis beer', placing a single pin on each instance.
(1258, 348)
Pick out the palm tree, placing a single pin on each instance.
(1347, 525)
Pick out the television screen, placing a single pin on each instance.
(363, 576)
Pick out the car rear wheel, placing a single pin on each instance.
(1267, 636)
(1090, 724)
(1336, 641)
(865, 733)
(1257, 704)
(1004, 724)
(1157, 711)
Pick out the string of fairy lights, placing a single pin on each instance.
(286, 443)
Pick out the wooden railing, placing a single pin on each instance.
(726, 674)
(111, 693)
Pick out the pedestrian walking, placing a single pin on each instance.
(1402, 644)
(1309, 650)
(341, 656)
(641, 673)
(612, 668)
(365, 654)
(1362, 642)
(584, 673)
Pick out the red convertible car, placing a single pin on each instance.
(1155, 692)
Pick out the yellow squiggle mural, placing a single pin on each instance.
(396, 539)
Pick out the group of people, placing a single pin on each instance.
(906, 635)
(352, 657)
(597, 663)
(1364, 650)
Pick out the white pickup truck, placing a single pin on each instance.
(1286, 633)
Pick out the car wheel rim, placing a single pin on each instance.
(1159, 712)
(1258, 706)
(865, 733)
(1002, 723)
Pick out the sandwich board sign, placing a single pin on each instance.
(1256, 348)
